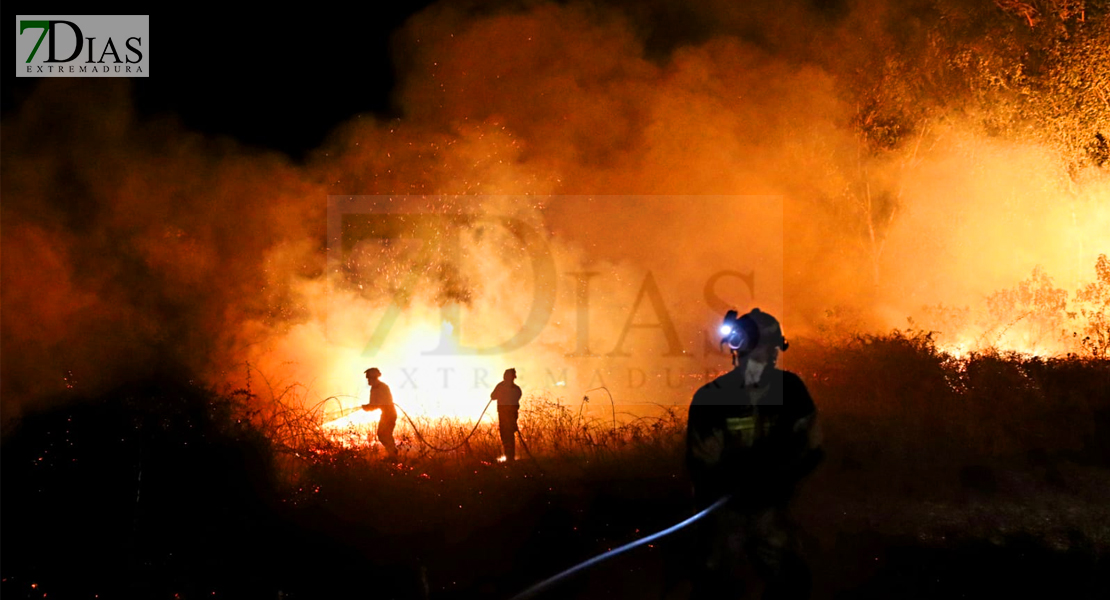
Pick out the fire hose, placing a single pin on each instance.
(466, 439)
(420, 437)
(338, 415)
(551, 582)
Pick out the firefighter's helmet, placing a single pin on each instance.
(757, 329)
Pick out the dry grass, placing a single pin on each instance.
(918, 445)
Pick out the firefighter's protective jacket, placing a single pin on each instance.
(752, 441)
(380, 396)
(506, 393)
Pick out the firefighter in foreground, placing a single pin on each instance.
(751, 434)
(507, 395)
(382, 399)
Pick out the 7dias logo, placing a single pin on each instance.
(83, 46)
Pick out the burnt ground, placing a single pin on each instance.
(156, 492)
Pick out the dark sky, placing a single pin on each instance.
(257, 75)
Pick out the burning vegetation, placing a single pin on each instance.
(920, 191)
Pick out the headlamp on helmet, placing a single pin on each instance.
(743, 334)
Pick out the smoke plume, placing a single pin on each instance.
(653, 145)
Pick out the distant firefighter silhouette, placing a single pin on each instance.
(382, 399)
(752, 433)
(507, 395)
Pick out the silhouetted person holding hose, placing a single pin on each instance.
(751, 434)
(382, 399)
(507, 395)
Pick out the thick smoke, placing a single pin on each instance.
(132, 247)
